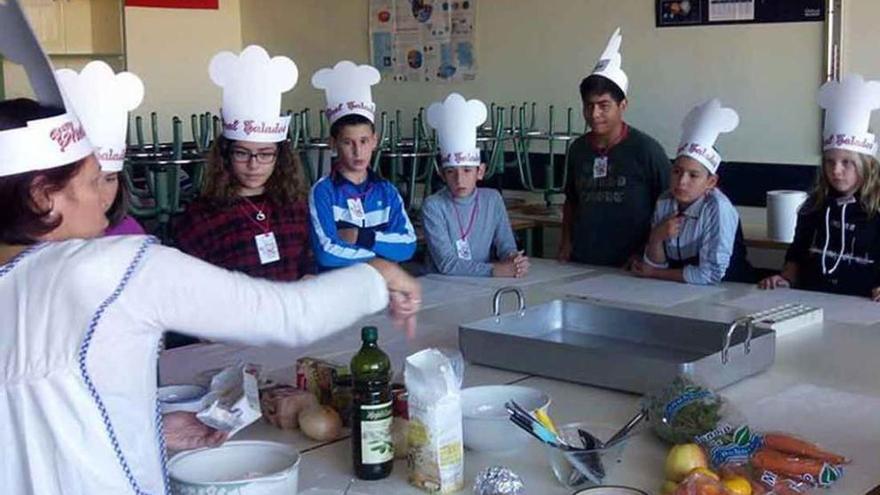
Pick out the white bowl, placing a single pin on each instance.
(181, 398)
(485, 420)
(240, 467)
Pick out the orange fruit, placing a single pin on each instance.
(738, 485)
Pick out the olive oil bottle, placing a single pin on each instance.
(372, 447)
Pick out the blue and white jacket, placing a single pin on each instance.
(385, 231)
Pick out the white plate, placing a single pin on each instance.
(181, 398)
(610, 490)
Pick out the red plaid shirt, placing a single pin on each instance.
(224, 236)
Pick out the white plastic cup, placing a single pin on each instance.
(782, 210)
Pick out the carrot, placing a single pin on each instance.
(801, 448)
(786, 465)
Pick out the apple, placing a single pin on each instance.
(682, 459)
(668, 487)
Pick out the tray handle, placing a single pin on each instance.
(747, 345)
(496, 300)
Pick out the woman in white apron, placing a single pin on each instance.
(81, 319)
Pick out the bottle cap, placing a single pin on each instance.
(370, 334)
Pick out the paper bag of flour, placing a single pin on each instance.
(436, 457)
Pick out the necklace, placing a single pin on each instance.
(259, 216)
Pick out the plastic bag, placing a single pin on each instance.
(773, 463)
(685, 409)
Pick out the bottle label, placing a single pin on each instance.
(376, 444)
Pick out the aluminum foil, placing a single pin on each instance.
(498, 480)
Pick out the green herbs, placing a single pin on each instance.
(683, 410)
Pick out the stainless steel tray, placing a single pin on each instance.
(616, 348)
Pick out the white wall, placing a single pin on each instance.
(539, 51)
(861, 42)
(170, 50)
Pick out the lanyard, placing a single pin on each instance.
(360, 196)
(258, 222)
(464, 232)
(603, 152)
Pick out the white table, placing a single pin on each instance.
(835, 357)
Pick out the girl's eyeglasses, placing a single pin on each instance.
(240, 155)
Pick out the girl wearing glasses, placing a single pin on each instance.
(252, 215)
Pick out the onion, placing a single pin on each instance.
(320, 423)
(282, 405)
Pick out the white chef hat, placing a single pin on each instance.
(347, 89)
(456, 121)
(252, 85)
(47, 142)
(848, 105)
(700, 130)
(609, 64)
(102, 99)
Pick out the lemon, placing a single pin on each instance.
(737, 485)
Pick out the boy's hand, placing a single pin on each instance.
(875, 294)
(505, 268)
(778, 281)
(641, 269)
(349, 235)
(667, 229)
(521, 264)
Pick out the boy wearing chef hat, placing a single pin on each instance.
(836, 245)
(102, 100)
(464, 224)
(355, 215)
(616, 173)
(251, 215)
(696, 235)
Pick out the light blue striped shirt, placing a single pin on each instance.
(708, 233)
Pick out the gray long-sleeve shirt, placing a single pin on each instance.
(490, 233)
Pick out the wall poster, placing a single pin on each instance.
(424, 40)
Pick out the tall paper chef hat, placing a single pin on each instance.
(347, 89)
(456, 121)
(46, 142)
(252, 85)
(102, 99)
(700, 130)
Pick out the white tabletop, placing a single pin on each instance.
(824, 385)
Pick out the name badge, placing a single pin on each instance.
(600, 167)
(356, 209)
(267, 248)
(463, 248)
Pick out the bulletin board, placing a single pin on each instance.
(424, 40)
(678, 13)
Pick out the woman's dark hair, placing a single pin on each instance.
(22, 221)
(286, 184)
(350, 120)
(596, 85)
(119, 208)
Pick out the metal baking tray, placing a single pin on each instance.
(617, 348)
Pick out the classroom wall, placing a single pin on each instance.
(170, 49)
(539, 51)
(861, 42)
